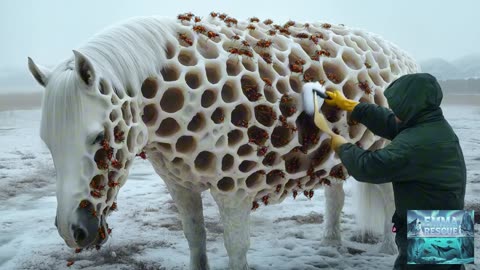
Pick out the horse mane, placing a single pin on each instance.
(123, 54)
(132, 49)
(63, 103)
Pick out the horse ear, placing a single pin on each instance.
(84, 68)
(41, 74)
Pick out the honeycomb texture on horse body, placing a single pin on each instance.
(225, 111)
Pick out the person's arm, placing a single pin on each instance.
(376, 167)
(380, 120)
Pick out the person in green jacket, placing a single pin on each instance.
(423, 161)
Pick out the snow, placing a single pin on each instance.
(147, 233)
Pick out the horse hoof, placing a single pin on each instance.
(328, 242)
(388, 248)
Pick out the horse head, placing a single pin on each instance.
(87, 126)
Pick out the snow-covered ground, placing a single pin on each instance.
(147, 233)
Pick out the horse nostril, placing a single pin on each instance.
(56, 222)
(79, 234)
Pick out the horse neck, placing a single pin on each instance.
(131, 52)
(126, 56)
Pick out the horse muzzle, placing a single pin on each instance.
(86, 231)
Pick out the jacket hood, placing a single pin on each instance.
(415, 98)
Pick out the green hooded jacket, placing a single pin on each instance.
(424, 160)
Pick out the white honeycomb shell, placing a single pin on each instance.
(226, 113)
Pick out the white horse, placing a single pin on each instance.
(101, 109)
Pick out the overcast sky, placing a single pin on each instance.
(48, 30)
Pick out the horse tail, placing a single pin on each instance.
(374, 204)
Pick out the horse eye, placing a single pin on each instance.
(99, 138)
(102, 87)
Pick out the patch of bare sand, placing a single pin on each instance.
(21, 101)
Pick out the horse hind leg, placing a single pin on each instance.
(235, 214)
(189, 205)
(334, 201)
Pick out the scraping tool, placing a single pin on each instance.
(311, 91)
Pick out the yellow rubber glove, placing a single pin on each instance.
(337, 141)
(322, 124)
(339, 100)
(320, 120)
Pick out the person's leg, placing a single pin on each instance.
(401, 261)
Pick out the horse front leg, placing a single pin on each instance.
(189, 204)
(235, 214)
(334, 200)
